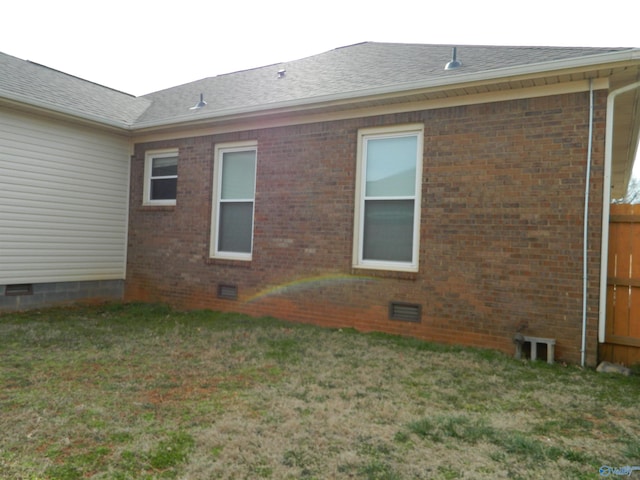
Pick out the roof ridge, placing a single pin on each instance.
(77, 77)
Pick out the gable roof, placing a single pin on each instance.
(351, 72)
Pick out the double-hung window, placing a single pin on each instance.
(234, 181)
(160, 177)
(387, 217)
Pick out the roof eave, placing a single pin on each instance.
(23, 101)
(456, 81)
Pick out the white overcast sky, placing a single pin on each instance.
(141, 46)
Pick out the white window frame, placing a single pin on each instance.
(358, 238)
(219, 151)
(148, 163)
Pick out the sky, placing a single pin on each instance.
(142, 46)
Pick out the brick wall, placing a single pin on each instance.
(501, 228)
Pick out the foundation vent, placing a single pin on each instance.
(404, 312)
(21, 289)
(228, 292)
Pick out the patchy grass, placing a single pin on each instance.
(145, 392)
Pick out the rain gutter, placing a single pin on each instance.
(606, 202)
(22, 100)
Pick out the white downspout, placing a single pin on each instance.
(606, 200)
(585, 246)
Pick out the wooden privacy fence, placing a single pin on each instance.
(622, 333)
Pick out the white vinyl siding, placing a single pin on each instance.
(63, 201)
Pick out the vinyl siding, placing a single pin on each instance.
(63, 201)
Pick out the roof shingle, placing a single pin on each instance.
(38, 85)
(345, 71)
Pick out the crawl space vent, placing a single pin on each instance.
(230, 292)
(404, 312)
(15, 290)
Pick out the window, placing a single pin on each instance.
(387, 219)
(160, 177)
(234, 181)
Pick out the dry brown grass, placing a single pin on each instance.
(130, 392)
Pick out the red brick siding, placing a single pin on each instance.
(501, 228)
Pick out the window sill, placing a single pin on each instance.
(378, 273)
(157, 208)
(228, 262)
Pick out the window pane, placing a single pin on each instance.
(164, 167)
(236, 224)
(163, 189)
(238, 175)
(388, 230)
(391, 166)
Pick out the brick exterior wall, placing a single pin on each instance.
(501, 227)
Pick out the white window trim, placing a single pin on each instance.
(358, 228)
(215, 208)
(148, 160)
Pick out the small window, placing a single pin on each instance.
(234, 183)
(387, 217)
(160, 177)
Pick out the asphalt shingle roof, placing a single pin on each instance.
(343, 71)
(351, 69)
(44, 86)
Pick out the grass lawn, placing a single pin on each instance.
(144, 392)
